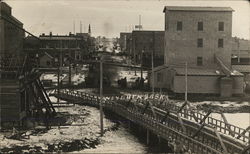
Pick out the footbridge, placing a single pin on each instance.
(187, 128)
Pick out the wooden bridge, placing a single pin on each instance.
(187, 128)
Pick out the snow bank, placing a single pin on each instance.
(85, 124)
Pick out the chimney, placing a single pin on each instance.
(50, 34)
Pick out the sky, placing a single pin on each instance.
(110, 17)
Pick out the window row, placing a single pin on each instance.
(200, 26)
(200, 43)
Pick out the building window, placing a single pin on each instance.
(199, 61)
(159, 77)
(221, 26)
(179, 25)
(220, 43)
(200, 26)
(199, 42)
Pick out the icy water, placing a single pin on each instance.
(241, 120)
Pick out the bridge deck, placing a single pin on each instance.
(189, 129)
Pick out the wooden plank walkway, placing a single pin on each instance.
(188, 129)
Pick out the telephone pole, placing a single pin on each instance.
(101, 97)
(186, 90)
(59, 71)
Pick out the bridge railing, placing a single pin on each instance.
(122, 102)
(225, 128)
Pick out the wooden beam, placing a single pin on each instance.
(227, 124)
(152, 109)
(144, 110)
(202, 122)
(192, 112)
(181, 108)
(165, 116)
(221, 142)
(243, 133)
(46, 95)
(181, 122)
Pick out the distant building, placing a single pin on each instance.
(241, 55)
(46, 60)
(126, 42)
(73, 47)
(144, 43)
(200, 37)
(11, 32)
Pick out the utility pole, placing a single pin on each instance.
(74, 29)
(152, 61)
(238, 46)
(101, 97)
(69, 72)
(139, 22)
(80, 26)
(153, 78)
(58, 80)
(186, 90)
(59, 71)
(141, 63)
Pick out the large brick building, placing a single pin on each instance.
(200, 37)
(11, 32)
(197, 34)
(144, 43)
(73, 46)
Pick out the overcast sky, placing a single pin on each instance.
(110, 17)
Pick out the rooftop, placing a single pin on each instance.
(204, 72)
(197, 71)
(145, 31)
(196, 8)
(47, 37)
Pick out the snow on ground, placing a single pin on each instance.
(86, 116)
(131, 77)
(78, 78)
(52, 77)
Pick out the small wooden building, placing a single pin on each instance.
(199, 81)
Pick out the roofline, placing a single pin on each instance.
(148, 31)
(165, 8)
